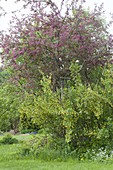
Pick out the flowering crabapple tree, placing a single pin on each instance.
(50, 38)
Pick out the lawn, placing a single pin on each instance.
(20, 137)
(29, 164)
(10, 160)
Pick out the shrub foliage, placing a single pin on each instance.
(82, 119)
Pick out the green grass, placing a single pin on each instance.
(11, 160)
(38, 165)
(9, 152)
(22, 137)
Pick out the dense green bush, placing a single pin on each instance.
(8, 139)
(10, 100)
(92, 126)
(44, 110)
(82, 118)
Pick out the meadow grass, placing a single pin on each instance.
(11, 160)
(21, 137)
(29, 164)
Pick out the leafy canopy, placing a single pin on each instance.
(49, 38)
